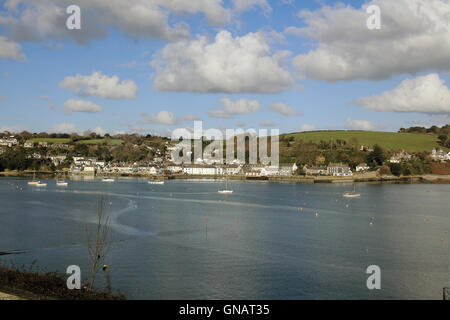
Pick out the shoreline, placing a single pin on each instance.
(362, 178)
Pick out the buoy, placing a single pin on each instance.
(317, 214)
(371, 223)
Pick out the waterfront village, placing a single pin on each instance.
(152, 156)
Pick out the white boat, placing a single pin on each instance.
(352, 194)
(34, 181)
(225, 191)
(108, 180)
(156, 182)
(41, 184)
(61, 183)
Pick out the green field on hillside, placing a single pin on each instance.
(50, 140)
(109, 142)
(388, 140)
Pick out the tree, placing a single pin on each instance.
(442, 138)
(396, 169)
(98, 247)
(377, 156)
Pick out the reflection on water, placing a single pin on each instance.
(265, 241)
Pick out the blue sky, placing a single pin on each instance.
(328, 69)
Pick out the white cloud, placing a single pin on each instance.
(225, 65)
(98, 84)
(241, 106)
(230, 108)
(64, 128)
(14, 129)
(10, 49)
(425, 94)
(81, 106)
(221, 114)
(359, 125)
(245, 5)
(38, 20)
(163, 117)
(307, 127)
(100, 131)
(267, 123)
(414, 37)
(45, 98)
(283, 109)
(190, 117)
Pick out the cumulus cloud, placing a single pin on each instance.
(14, 129)
(190, 117)
(267, 123)
(100, 85)
(414, 37)
(359, 125)
(38, 20)
(230, 108)
(225, 65)
(163, 117)
(245, 5)
(307, 127)
(64, 128)
(81, 106)
(100, 131)
(424, 94)
(10, 49)
(283, 109)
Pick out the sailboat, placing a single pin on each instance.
(41, 184)
(61, 183)
(226, 191)
(155, 181)
(34, 181)
(352, 194)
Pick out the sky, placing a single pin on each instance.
(151, 66)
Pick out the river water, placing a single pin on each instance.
(183, 240)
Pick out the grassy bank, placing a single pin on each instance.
(42, 285)
(410, 142)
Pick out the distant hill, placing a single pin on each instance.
(411, 142)
(110, 142)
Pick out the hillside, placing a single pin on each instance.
(388, 140)
(110, 142)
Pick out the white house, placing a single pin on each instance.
(231, 169)
(175, 169)
(314, 170)
(57, 160)
(440, 155)
(8, 142)
(339, 170)
(362, 167)
(202, 169)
